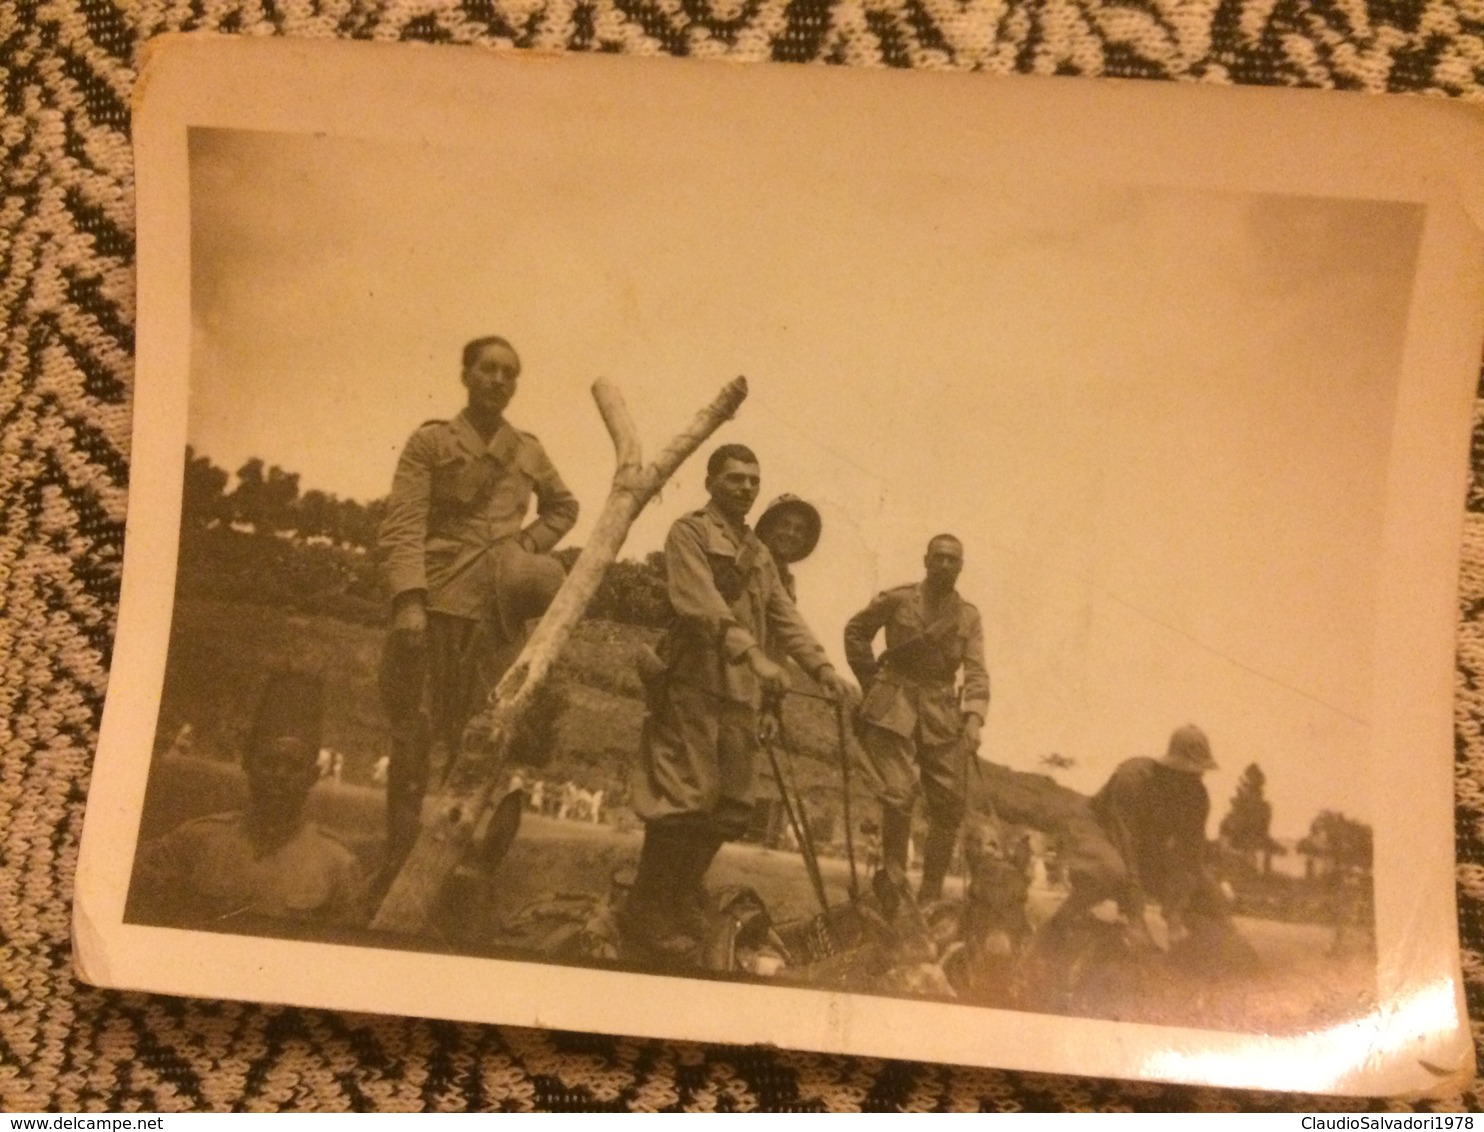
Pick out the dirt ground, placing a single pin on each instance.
(556, 872)
(1297, 986)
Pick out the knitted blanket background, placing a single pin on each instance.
(66, 287)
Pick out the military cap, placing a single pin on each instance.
(292, 704)
(1189, 750)
(782, 506)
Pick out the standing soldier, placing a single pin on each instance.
(466, 572)
(693, 784)
(789, 527)
(918, 726)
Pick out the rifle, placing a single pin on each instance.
(797, 819)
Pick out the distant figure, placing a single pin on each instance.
(466, 572)
(1144, 837)
(265, 860)
(871, 840)
(184, 743)
(331, 764)
(1351, 908)
(581, 804)
(1039, 876)
(918, 729)
(379, 770)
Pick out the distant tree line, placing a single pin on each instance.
(267, 498)
(1335, 843)
(632, 592)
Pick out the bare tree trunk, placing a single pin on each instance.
(470, 785)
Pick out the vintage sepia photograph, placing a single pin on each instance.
(964, 589)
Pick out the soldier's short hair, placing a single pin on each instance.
(945, 537)
(739, 452)
(474, 347)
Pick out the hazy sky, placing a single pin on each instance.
(1158, 419)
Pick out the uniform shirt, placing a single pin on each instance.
(211, 869)
(1156, 815)
(727, 597)
(914, 679)
(786, 576)
(790, 587)
(455, 498)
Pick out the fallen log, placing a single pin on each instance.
(469, 787)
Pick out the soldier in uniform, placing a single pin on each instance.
(918, 729)
(466, 572)
(1144, 836)
(266, 860)
(789, 527)
(693, 782)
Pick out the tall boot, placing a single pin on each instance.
(406, 784)
(896, 840)
(702, 845)
(714, 932)
(657, 920)
(400, 679)
(937, 854)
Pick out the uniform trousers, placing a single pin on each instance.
(1093, 864)
(1096, 855)
(697, 759)
(430, 691)
(903, 767)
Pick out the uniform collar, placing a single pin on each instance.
(502, 446)
(919, 595)
(723, 529)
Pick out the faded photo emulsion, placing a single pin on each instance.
(1013, 649)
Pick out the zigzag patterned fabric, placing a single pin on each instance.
(66, 278)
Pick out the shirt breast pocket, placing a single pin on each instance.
(958, 645)
(461, 484)
(452, 485)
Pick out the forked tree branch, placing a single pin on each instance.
(470, 786)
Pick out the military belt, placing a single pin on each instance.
(926, 683)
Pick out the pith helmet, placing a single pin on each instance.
(528, 583)
(1189, 750)
(293, 705)
(782, 506)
